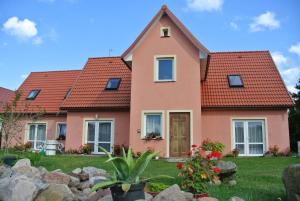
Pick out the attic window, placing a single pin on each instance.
(235, 81)
(165, 32)
(33, 94)
(68, 93)
(113, 84)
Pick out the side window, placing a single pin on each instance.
(61, 131)
(165, 69)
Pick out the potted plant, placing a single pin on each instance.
(9, 160)
(154, 188)
(199, 170)
(126, 183)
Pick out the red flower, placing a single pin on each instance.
(216, 154)
(179, 165)
(194, 146)
(217, 170)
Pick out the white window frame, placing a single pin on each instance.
(112, 121)
(153, 112)
(35, 133)
(156, 67)
(246, 135)
(162, 32)
(57, 129)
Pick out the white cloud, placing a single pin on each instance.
(22, 29)
(234, 26)
(279, 58)
(205, 5)
(264, 21)
(291, 76)
(24, 76)
(295, 49)
(37, 40)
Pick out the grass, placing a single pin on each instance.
(258, 179)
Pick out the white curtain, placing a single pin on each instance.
(153, 124)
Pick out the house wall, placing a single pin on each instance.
(183, 94)
(76, 127)
(216, 125)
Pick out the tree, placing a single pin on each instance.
(294, 120)
(13, 118)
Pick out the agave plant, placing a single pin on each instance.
(127, 170)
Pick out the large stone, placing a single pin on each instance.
(84, 185)
(106, 198)
(173, 193)
(92, 171)
(99, 194)
(235, 198)
(188, 196)
(57, 192)
(228, 169)
(21, 163)
(83, 176)
(148, 197)
(74, 181)
(28, 171)
(96, 179)
(291, 180)
(208, 199)
(57, 178)
(20, 187)
(76, 171)
(5, 171)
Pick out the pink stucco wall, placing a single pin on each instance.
(216, 125)
(76, 127)
(183, 94)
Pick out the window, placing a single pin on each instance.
(153, 125)
(165, 69)
(33, 94)
(113, 84)
(235, 81)
(37, 135)
(249, 137)
(165, 32)
(61, 130)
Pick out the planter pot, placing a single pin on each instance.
(9, 160)
(135, 192)
(200, 195)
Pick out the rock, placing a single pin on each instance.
(99, 194)
(21, 163)
(74, 181)
(58, 170)
(235, 198)
(57, 192)
(106, 198)
(208, 199)
(83, 177)
(29, 171)
(56, 178)
(291, 180)
(84, 185)
(173, 193)
(76, 171)
(188, 196)
(20, 187)
(96, 179)
(92, 171)
(232, 182)
(86, 191)
(148, 197)
(74, 190)
(42, 170)
(5, 171)
(228, 169)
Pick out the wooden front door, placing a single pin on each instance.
(179, 134)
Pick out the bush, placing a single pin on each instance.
(235, 152)
(209, 145)
(117, 149)
(156, 187)
(274, 150)
(85, 149)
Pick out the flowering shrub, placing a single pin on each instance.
(199, 169)
(209, 145)
(85, 149)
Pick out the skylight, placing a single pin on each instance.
(113, 84)
(33, 94)
(235, 81)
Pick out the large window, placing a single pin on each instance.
(249, 137)
(37, 135)
(153, 125)
(165, 69)
(61, 130)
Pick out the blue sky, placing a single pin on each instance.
(44, 35)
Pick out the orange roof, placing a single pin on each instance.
(263, 86)
(5, 95)
(53, 85)
(89, 90)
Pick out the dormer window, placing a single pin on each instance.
(235, 81)
(113, 84)
(165, 32)
(33, 94)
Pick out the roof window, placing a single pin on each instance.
(33, 94)
(235, 81)
(113, 84)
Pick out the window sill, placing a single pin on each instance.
(159, 81)
(152, 139)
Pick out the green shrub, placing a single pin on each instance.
(209, 145)
(156, 187)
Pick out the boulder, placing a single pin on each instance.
(106, 198)
(76, 171)
(208, 199)
(74, 181)
(21, 163)
(99, 194)
(26, 170)
(188, 196)
(228, 169)
(92, 171)
(291, 180)
(57, 170)
(84, 185)
(57, 178)
(83, 176)
(96, 179)
(235, 198)
(5, 171)
(57, 192)
(148, 197)
(87, 191)
(173, 193)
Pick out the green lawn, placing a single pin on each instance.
(258, 179)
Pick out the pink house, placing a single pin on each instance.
(165, 92)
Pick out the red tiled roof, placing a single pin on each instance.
(5, 95)
(89, 90)
(263, 86)
(53, 85)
